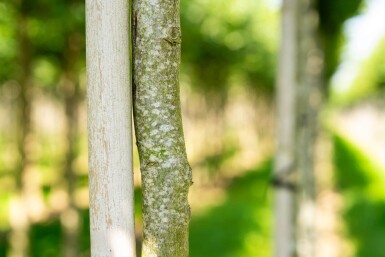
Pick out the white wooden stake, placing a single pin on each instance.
(109, 128)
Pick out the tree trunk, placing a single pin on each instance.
(166, 174)
(309, 103)
(109, 127)
(285, 163)
(19, 215)
(71, 218)
(70, 90)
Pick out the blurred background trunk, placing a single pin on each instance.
(18, 239)
(309, 104)
(70, 90)
(285, 166)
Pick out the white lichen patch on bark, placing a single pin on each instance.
(166, 174)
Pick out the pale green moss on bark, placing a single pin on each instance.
(166, 174)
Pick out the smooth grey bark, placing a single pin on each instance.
(109, 128)
(309, 104)
(166, 174)
(285, 163)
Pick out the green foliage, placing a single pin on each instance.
(333, 14)
(50, 31)
(46, 71)
(213, 163)
(8, 51)
(241, 225)
(45, 239)
(54, 32)
(366, 224)
(85, 240)
(361, 184)
(3, 245)
(350, 166)
(370, 80)
(227, 43)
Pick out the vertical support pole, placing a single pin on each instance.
(285, 163)
(109, 128)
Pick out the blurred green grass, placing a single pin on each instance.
(240, 225)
